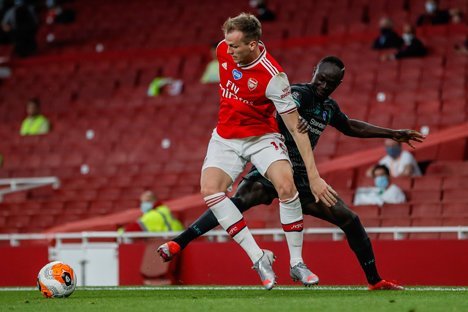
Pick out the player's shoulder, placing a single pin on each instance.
(331, 102)
(300, 90)
(268, 62)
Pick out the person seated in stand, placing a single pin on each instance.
(433, 15)
(165, 86)
(262, 12)
(156, 217)
(211, 74)
(35, 123)
(388, 38)
(462, 48)
(383, 191)
(401, 163)
(412, 46)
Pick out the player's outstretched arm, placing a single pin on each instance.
(321, 190)
(361, 129)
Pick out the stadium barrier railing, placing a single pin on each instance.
(221, 236)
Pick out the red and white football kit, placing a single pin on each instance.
(250, 96)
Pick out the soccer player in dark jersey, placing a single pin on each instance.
(317, 110)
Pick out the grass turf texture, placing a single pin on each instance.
(237, 299)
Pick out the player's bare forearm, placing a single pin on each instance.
(302, 142)
(321, 190)
(361, 129)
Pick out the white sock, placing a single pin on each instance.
(293, 225)
(230, 218)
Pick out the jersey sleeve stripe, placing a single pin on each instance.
(268, 68)
(267, 61)
(288, 111)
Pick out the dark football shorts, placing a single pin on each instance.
(301, 181)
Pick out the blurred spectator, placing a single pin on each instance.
(401, 163)
(35, 123)
(383, 191)
(165, 85)
(211, 74)
(433, 15)
(5, 5)
(57, 14)
(156, 217)
(388, 38)
(262, 12)
(412, 46)
(21, 23)
(456, 16)
(462, 48)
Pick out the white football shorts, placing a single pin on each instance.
(231, 155)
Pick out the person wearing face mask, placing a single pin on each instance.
(401, 163)
(383, 192)
(388, 38)
(156, 217)
(263, 13)
(433, 15)
(412, 46)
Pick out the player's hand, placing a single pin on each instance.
(406, 136)
(302, 125)
(323, 192)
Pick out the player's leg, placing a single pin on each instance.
(280, 174)
(343, 217)
(272, 161)
(223, 163)
(253, 190)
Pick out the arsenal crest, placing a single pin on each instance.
(252, 84)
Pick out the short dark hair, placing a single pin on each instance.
(246, 23)
(335, 61)
(35, 100)
(383, 167)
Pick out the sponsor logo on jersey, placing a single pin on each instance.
(324, 115)
(224, 65)
(236, 74)
(286, 92)
(230, 92)
(252, 84)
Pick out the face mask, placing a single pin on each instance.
(393, 151)
(407, 38)
(430, 7)
(381, 182)
(146, 206)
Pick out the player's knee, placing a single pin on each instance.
(343, 214)
(207, 190)
(286, 190)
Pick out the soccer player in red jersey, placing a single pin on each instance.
(317, 110)
(253, 87)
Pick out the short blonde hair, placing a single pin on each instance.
(246, 23)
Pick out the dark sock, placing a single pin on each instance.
(362, 247)
(206, 222)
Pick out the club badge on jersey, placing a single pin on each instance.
(252, 84)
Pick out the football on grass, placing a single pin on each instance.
(56, 280)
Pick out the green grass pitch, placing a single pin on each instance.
(236, 299)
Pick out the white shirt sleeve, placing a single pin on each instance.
(367, 196)
(279, 91)
(393, 195)
(408, 159)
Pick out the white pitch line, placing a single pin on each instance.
(172, 288)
